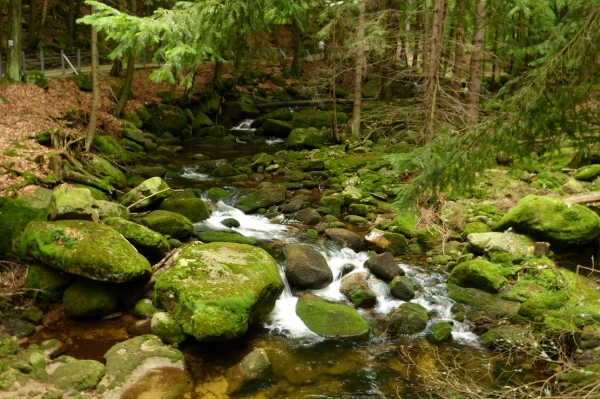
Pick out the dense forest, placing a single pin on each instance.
(300, 198)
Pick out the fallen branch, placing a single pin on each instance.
(166, 263)
(151, 195)
(584, 199)
(77, 177)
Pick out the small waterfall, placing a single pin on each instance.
(189, 172)
(245, 126)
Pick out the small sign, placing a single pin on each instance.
(11, 43)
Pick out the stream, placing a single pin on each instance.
(304, 364)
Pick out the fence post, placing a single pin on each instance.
(42, 60)
(24, 67)
(79, 59)
(62, 61)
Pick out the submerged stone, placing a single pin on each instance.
(217, 291)
(305, 267)
(88, 249)
(409, 318)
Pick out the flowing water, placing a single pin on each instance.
(304, 364)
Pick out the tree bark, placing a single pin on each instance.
(359, 68)
(334, 126)
(2, 40)
(44, 13)
(432, 78)
(418, 27)
(298, 60)
(426, 39)
(70, 24)
(459, 61)
(91, 130)
(76, 16)
(126, 89)
(476, 67)
(389, 66)
(218, 73)
(33, 26)
(15, 33)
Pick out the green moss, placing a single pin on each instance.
(330, 319)
(79, 375)
(223, 236)
(474, 227)
(440, 332)
(479, 274)
(145, 240)
(167, 328)
(492, 304)
(8, 346)
(538, 305)
(110, 148)
(194, 209)
(144, 308)
(409, 318)
(88, 298)
(168, 223)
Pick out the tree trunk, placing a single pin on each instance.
(76, 16)
(459, 61)
(475, 71)
(15, 33)
(334, 126)
(117, 68)
(218, 73)
(44, 13)
(70, 24)
(432, 78)
(126, 89)
(2, 40)
(359, 68)
(298, 60)
(33, 27)
(426, 39)
(388, 67)
(91, 130)
(418, 27)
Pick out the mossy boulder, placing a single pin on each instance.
(542, 304)
(277, 128)
(409, 318)
(507, 336)
(84, 248)
(261, 198)
(402, 288)
(16, 213)
(208, 235)
(111, 149)
(36, 78)
(478, 273)
(216, 193)
(305, 267)
(475, 227)
(144, 239)
(89, 298)
(167, 328)
(78, 375)
(517, 246)
(194, 209)
(334, 203)
(253, 366)
(355, 286)
(109, 209)
(72, 203)
(492, 304)
(405, 224)
(239, 110)
(329, 319)
(45, 282)
(225, 170)
(217, 291)
(147, 193)
(553, 220)
(168, 223)
(106, 169)
(439, 332)
(145, 364)
(588, 172)
(305, 138)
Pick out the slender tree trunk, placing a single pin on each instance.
(2, 40)
(91, 130)
(389, 66)
(475, 70)
(15, 33)
(418, 28)
(70, 24)
(334, 126)
(116, 68)
(493, 84)
(126, 86)
(459, 61)
(33, 27)
(426, 39)
(359, 68)
(44, 13)
(298, 60)
(432, 78)
(218, 73)
(77, 14)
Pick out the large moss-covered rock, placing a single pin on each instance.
(16, 213)
(541, 304)
(114, 176)
(85, 248)
(588, 172)
(409, 318)
(72, 203)
(194, 209)
(79, 375)
(88, 298)
(147, 193)
(305, 138)
(517, 246)
(552, 219)
(208, 235)
(506, 336)
(111, 149)
(492, 304)
(305, 267)
(479, 273)
(46, 282)
(144, 239)
(439, 332)
(277, 128)
(109, 209)
(168, 223)
(334, 203)
(402, 288)
(145, 365)
(384, 241)
(216, 291)
(261, 198)
(329, 319)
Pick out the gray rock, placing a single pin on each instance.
(252, 367)
(108, 209)
(402, 288)
(261, 198)
(308, 216)
(384, 266)
(147, 193)
(346, 238)
(79, 375)
(72, 203)
(356, 288)
(306, 268)
(516, 245)
(409, 318)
